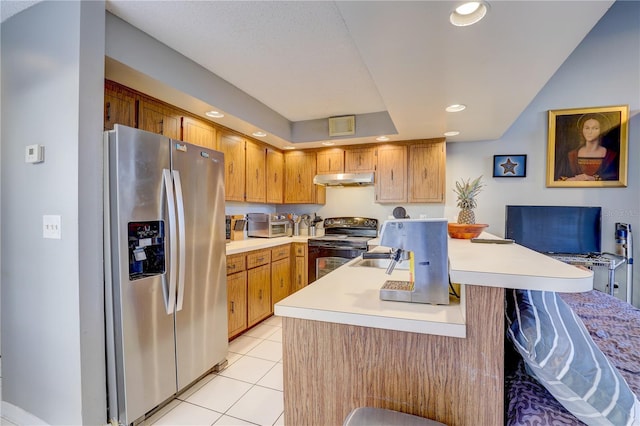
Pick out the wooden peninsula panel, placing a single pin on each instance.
(330, 368)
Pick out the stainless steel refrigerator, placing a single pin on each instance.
(165, 269)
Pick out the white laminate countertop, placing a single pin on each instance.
(248, 244)
(350, 294)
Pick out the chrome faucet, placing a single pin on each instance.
(427, 240)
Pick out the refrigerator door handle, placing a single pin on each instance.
(170, 294)
(181, 238)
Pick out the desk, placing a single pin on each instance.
(607, 260)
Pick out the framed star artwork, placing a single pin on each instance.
(510, 165)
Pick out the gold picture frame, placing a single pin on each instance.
(587, 147)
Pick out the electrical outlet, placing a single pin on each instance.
(52, 227)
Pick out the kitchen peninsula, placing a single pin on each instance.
(344, 348)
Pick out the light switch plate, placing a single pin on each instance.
(52, 227)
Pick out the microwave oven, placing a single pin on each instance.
(265, 225)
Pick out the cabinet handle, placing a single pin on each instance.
(275, 177)
(108, 111)
(424, 174)
(260, 294)
(299, 280)
(233, 307)
(231, 266)
(359, 160)
(299, 179)
(260, 259)
(230, 168)
(162, 126)
(281, 282)
(391, 174)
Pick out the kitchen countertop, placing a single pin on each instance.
(350, 294)
(248, 244)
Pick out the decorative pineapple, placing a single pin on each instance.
(467, 191)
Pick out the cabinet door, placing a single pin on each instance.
(198, 132)
(237, 302)
(300, 279)
(256, 172)
(300, 168)
(300, 276)
(330, 161)
(259, 296)
(234, 174)
(275, 177)
(280, 280)
(359, 160)
(391, 181)
(119, 106)
(427, 173)
(158, 119)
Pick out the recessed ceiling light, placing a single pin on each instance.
(382, 138)
(214, 114)
(259, 134)
(455, 108)
(468, 13)
(328, 143)
(289, 147)
(452, 133)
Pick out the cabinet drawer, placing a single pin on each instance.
(280, 252)
(235, 263)
(300, 249)
(257, 258)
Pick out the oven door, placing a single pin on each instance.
(323, 260)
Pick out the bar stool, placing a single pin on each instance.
(370, 416)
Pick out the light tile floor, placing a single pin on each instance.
(247, 392)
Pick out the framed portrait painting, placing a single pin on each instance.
(510, 165)
(587, 147)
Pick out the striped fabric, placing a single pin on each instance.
(559, 352)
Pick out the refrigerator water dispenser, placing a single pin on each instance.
(146, 249)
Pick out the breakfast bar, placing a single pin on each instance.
(345, 348)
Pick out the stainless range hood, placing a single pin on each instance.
(344, 179)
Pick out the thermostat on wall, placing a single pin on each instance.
(34, 154)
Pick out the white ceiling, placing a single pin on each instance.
(310, 60)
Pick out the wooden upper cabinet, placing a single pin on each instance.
(234, 168)
(391, 175)
(159, 119)
(119, 106)
(300, 168)
(358, 160)
(275, 176)
(256, 172)
(330, 161)
(198, 132)
(427, 172)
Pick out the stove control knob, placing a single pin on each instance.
(328, 222)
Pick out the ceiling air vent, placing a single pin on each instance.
(342, 126)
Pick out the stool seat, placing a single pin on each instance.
(370, 416)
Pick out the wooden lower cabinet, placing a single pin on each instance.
(258, 279)
(237, 302)
(259, 294)
(300, 267)
(280, 280)
(236, 294)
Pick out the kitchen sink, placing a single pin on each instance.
(380, 263)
